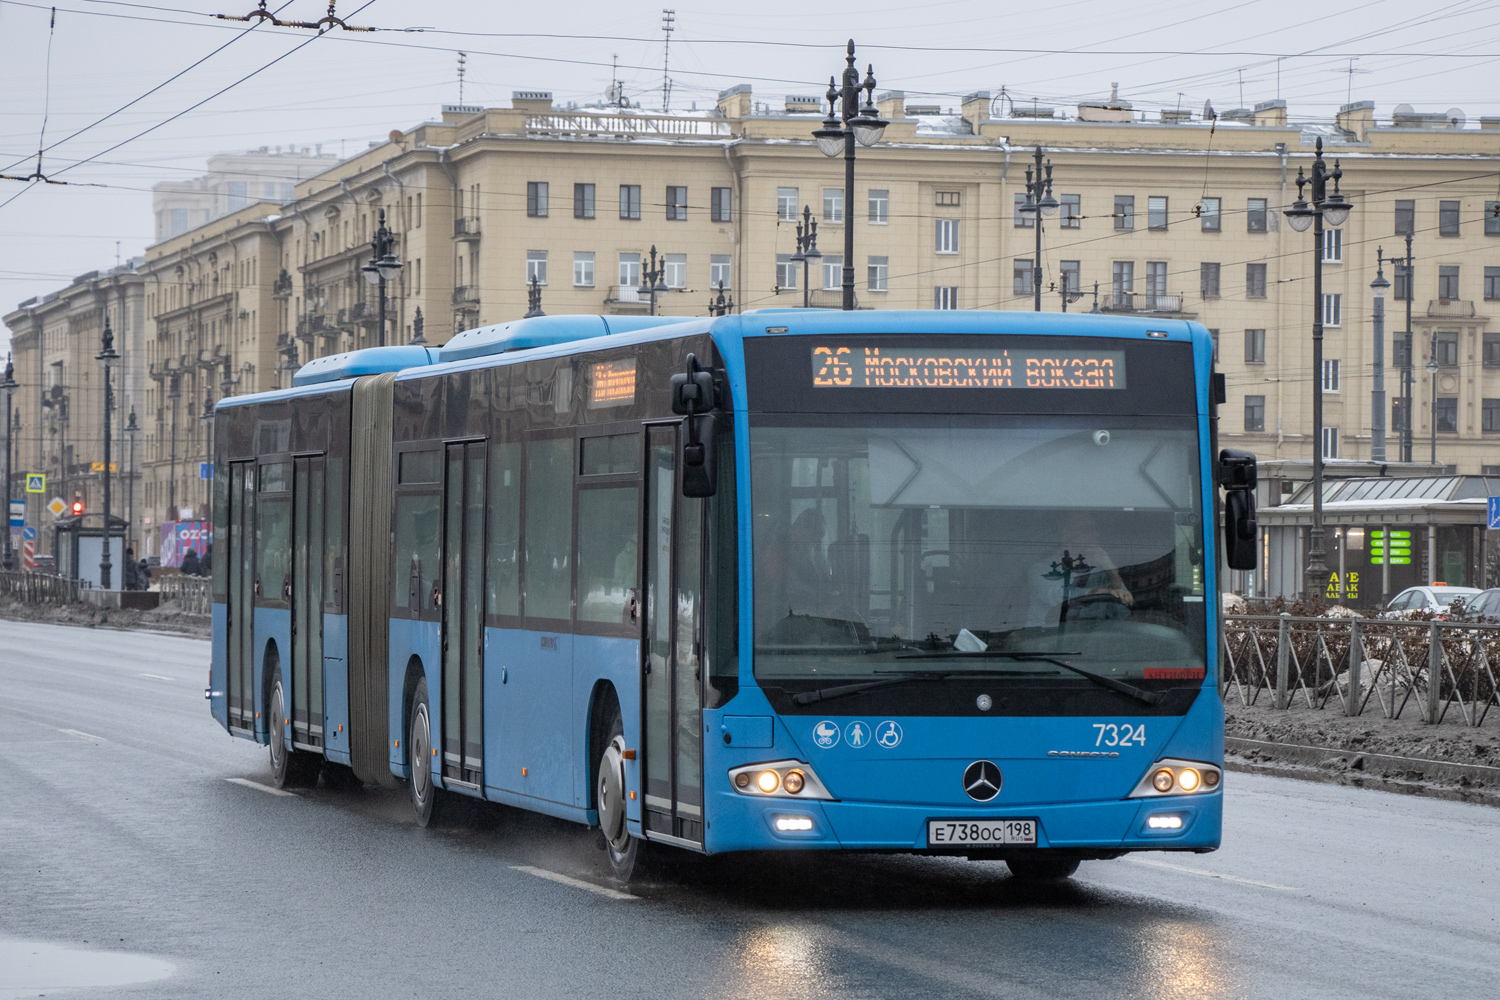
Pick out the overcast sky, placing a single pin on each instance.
(344, 89)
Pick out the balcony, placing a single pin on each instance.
(466, 229)
(828, 298)
(626, 299)
(1136, 302)
(281, 288)
(466, 296)
(1450, 309)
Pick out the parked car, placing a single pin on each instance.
(1484, 607)
(1436, 600)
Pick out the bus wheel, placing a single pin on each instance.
(1041, 867)
(289, 768)
(424, 793)
(624, 850)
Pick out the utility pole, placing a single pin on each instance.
(668, 25)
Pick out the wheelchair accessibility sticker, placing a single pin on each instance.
(888, 734)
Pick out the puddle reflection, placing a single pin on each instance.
(39, 968)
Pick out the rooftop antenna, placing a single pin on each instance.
(668, 22)
(463, 57)
(1278, 77)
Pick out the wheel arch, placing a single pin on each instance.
(604, 705)
(415, 672)
(270, 667)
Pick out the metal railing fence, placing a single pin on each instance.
(1354, 661)
(194, 594)
(38, 588)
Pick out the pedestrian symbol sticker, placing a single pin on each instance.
(825, 734)
(857, 734)
(888, 734)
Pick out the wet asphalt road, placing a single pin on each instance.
(122, 828)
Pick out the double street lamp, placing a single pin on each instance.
(108, 359)
(382, 266)
(807, 250)
(849, 124)
(1334, 209)
(653, 278)
(720, 306)
(1040, 204)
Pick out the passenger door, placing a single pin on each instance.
(463, 613)
(240, 606)
(308, 485)
(672, 646)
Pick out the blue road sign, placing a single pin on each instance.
(28, 533)
(1494, 519)
(205, 470)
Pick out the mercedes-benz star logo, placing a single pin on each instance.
(982, 780)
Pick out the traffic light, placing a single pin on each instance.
(77, 504)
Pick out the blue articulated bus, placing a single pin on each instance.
(935, 582)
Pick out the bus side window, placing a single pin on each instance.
(549, 528)
(417, 520)
(504, 578)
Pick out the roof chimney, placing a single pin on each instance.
(1356, 119)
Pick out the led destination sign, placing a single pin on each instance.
(900, 367)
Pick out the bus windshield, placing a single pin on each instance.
(891, 544)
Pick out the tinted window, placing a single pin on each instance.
(607, 529)
(549, 528)
(504, 590)
(416, 553)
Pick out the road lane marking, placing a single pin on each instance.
(158, 677)
(1199, 871)
(87, 736)
(261, 788)
(576, 883)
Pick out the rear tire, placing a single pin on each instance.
(623, 849)
(424, 791)
(1041, 867)
(289, 768)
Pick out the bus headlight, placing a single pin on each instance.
(780, 779)
(1178, 777)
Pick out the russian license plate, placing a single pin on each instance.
(980, 832)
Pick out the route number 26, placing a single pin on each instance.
(1111, 735)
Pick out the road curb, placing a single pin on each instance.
(1474, 783)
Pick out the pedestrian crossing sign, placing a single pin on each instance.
(36, 482)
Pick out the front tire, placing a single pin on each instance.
(1041, 867)
(424, 791)
(289, 768)
(624, 851)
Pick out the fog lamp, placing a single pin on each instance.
(793, 782)
(742, 780)
(789, 824)
(1188, 779)
(1210, 779)
(1164, 822)
(767, 781)
(1162, 780)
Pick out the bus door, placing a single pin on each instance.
(463, 613)
(672, 646)
(240, 615)
(308, 485)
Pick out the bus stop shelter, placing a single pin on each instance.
(1382, 535)
(78, 542)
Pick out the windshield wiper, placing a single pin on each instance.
(841, 690)
(1139, 694)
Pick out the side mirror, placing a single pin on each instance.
(694, 397)
(1237, 475)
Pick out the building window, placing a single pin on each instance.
(880, 207)
(1490, 415)
(786, 272)
(947, 199)
(179, 223)
(833, 272)
(1401, 290)
(1330, 442)
(1406, 218)
(630, 201)
(1447, 350)
(1024, 220)
(1208, 280)
(945, 297)
(1492, 218)
(1333, 246)
(1333, 309)
(833, 205)
(583, 269)
(239, 195)
(947, 236)
(1255, 215)
(1255, 281)
(1330, 375)
(1445, 414)
(1448, 281)
(720, 206)
(1122, 276)
(1156, 283)
(877, 271)
(676, 203)
(630, 269)
(718, 269)
(583, 201)
(536, 199)
(1491, 283)
(1215, 335)
(1208, 215)
(1156, 212)
(1124, 211)
(1448, 218)
(536, 266)
(786, 204)
(1070, 211)
(1021, 276)
(1492, 350)
(1255, 347)
(1398, 415)
(1071, 272)
(1255, 413)
(1401, 351)
(675, 265)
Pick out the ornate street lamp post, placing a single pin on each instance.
(10, 385)
(533, 299)
(1377, 394)
(382, 267)
(174, 393)
(131, 429)
(807, 250)
(1333, 208)
(862, 125)
(720, 306)
(108, 359)
(653, 278)
(1040, 204)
